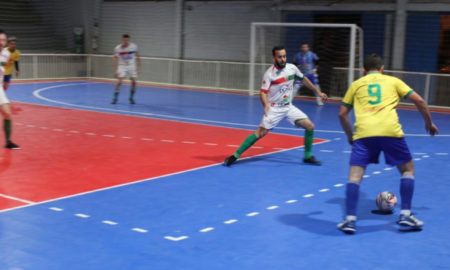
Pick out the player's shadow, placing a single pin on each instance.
(268, 158)
(311, 222)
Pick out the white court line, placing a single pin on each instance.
(126, 137)
(326, 151)
(58, 129)
(232, 145)
(252, 214)
(167, 141)
(291, 201)
(188, 142)
(109, 222)
(388, 169)
(366, 176)
(205, 230)
(139, 230)
(376, 172)
(147, 139)
(308, 195)
(273, 207)
(441, 154)
(210, 144)
(339, 185)
(90, 133)
(324, 190)
(74, 131)
(176, 239)
(80, 215)
(231, 221)
(108, 135)
(56, 209)
(15, 199)
(417, 159)
(346, 152)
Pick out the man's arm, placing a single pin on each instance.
(345, 122)
(138, 59)
(114, 65)
(311, 86)
(265, 102)
(16, 65)
(426, 115)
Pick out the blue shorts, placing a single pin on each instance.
(367, 150)
(313, 78)
(7, 78)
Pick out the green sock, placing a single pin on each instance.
(7, 129)
(309, 136)
(248, 142)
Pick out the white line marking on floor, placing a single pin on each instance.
(257, 147)
(376, 172)
(339, 185)
(252, 214)
(308, 195)
(388, 169)
(205, 230)
(337, 139)
(176, 239)
(56, 209)
(366, 176)
(417, 159)
(326, 151)
(147, 139)
(232, 145)
(139, 230)
(108, 135)
(168, 141)
(188, 142)
(90, 134)
(425, 156)
(273, 207)
(441, 154)
(291, 201)
(80, 215)
(74, 131)
(109, 222)
(324, 190)
(346, 152)
(210, 144)
(230, 221)
(45, 128)
(31, 126)
(126, 137)
(419, 153)
(58, 129)
(16, 199)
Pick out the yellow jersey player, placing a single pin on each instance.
(13, 63)
(374, 98)
(5, 108)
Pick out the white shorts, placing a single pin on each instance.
(3, 98)
(126, 71)
(276, 114)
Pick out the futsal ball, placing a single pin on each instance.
(386, 201)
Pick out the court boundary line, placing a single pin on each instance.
(37, 94)
(13, 198)
(148, 179)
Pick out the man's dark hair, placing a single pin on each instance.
(304, 43)
(277, 48)
(12, 39)
(2, 31)
(373, 62)
(125, 36)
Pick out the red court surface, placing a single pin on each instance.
(66, 152)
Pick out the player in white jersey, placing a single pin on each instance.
(277, 92)
(126, 56)
(5, 108)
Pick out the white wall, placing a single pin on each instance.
(212, 30)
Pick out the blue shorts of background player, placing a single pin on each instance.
(367, 150)
(7, 78)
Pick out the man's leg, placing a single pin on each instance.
(309, 138)
(7, 126)
(246, 144)
(132, 90)
(351, 199)
(407, 220)
(117, 90)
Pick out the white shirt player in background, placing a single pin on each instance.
(277, 92)
(5, 108)
(126, 56)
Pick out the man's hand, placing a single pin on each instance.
(323, 96)
(432, 129)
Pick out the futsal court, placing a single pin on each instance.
(101, 186)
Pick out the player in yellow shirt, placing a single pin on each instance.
(374, 99)
(13, 63)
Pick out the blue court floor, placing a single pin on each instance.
(267, 212)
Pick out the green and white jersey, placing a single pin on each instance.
(278, 84)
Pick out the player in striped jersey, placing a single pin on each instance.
(277, 92)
